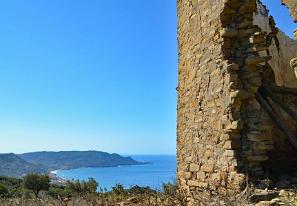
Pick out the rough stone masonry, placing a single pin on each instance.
(234, 122)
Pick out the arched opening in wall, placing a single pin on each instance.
(279, 75)
(286, 48)
(284, 21)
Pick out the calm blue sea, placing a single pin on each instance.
(162, 168)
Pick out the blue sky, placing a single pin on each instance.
(97, 75)
(281, 16)
(81, 75)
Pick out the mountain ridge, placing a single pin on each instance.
(17, 165)
(77, 159)
(12, 165)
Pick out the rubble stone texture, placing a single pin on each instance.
(223, 134)
(284, 75)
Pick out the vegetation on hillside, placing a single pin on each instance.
(36, 189)
(44, 162)
(13, 165)
(77, 159)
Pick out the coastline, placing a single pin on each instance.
(56, 179)
(160, 169)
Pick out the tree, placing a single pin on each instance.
(36, 183)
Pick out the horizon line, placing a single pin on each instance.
(123, 154)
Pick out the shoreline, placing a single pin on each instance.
(54, 178)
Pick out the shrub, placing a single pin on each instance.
(3, 191)
(119, 190)
(16, 192)
(61, 194)
(169, 188)
(81, 188)
(137, 190)
(90, 186)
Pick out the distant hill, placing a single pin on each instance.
(42, 162)
(14, 166)
(77, 159)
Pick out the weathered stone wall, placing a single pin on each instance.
(223, 134)
(218, 77)
(205, 98)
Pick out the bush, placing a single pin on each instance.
(137, 190)
(16, 192)
(60, 193)
(90, 186)
(169, 188)
(3, 191)
(82, 187)
(119, 190)
(10, 182)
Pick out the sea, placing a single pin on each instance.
(159, 169)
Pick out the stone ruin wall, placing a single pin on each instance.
(223, 135)
(204, 94)
(284, 74)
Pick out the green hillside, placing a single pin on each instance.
(77, 159)
(42, 162)
(14, 166)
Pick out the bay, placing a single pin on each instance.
(161, 169)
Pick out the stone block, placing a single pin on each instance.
(229, 153)
(216, 177)
(187, 175)
(207, 168)
(196, 183)
(194, 167)
(254, 60)
(201, 176)
(235, 125)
